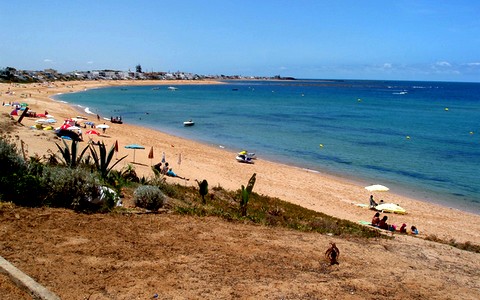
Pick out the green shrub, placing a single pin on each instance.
(148, 197)
(69, 188)
(12, 166)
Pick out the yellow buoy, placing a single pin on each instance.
(446, 108)
(321, 145)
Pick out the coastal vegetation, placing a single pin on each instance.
(44, 182)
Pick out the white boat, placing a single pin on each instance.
(188, 123)
(172, 88)
(248, 154)
(244, 159)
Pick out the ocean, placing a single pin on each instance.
(420, 139)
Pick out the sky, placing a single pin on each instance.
(307, 39)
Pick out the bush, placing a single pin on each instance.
(69, 188)
(12, 167)
(149, 197)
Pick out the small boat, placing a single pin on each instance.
(188, 123)
(172, 88)
(244, 159)
(248, 154)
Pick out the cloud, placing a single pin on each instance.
(89, 62)
(442, 64)
(47, 60)
(387, 65)
(473, 64)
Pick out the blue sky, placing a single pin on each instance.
(400, 40)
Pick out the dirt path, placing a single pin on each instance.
(113, 256)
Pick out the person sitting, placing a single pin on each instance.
(165, 168)
(372, 202)
(157, 168)
(414, 230)
(383, 223)
(403, 228)
(376, 219)
(171, 174)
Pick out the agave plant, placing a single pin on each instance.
(103, 159)
(69, 155)
(246, 194)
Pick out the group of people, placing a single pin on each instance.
(382, 224)
(166, 170)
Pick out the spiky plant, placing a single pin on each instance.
(246, 194)
(103, 159)
(69, 154)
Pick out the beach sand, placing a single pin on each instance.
(115, 256)
(332, 195)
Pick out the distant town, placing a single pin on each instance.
(10, 74)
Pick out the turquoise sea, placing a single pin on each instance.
(419, 138)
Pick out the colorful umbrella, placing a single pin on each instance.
(92, 132)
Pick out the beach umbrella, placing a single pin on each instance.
(163, 157)
(89, 123)
(391, 208)
(65, 126)
(103, 126)
(377, 188)
(51, 120)
(134, 147)
(92, 132)
(150, 155)
(14, 112)
(41, 121)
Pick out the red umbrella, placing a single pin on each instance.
(150, 155)
(92, 132)
(65, 126)
(14, 112)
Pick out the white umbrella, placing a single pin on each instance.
(377, 188)
(391, 208)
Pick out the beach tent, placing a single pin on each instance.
(70, 134)
(14, 112)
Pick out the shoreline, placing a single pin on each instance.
(409, 190)
(318, 190)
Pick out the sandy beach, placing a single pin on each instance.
(321, 192)
(169, 256)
